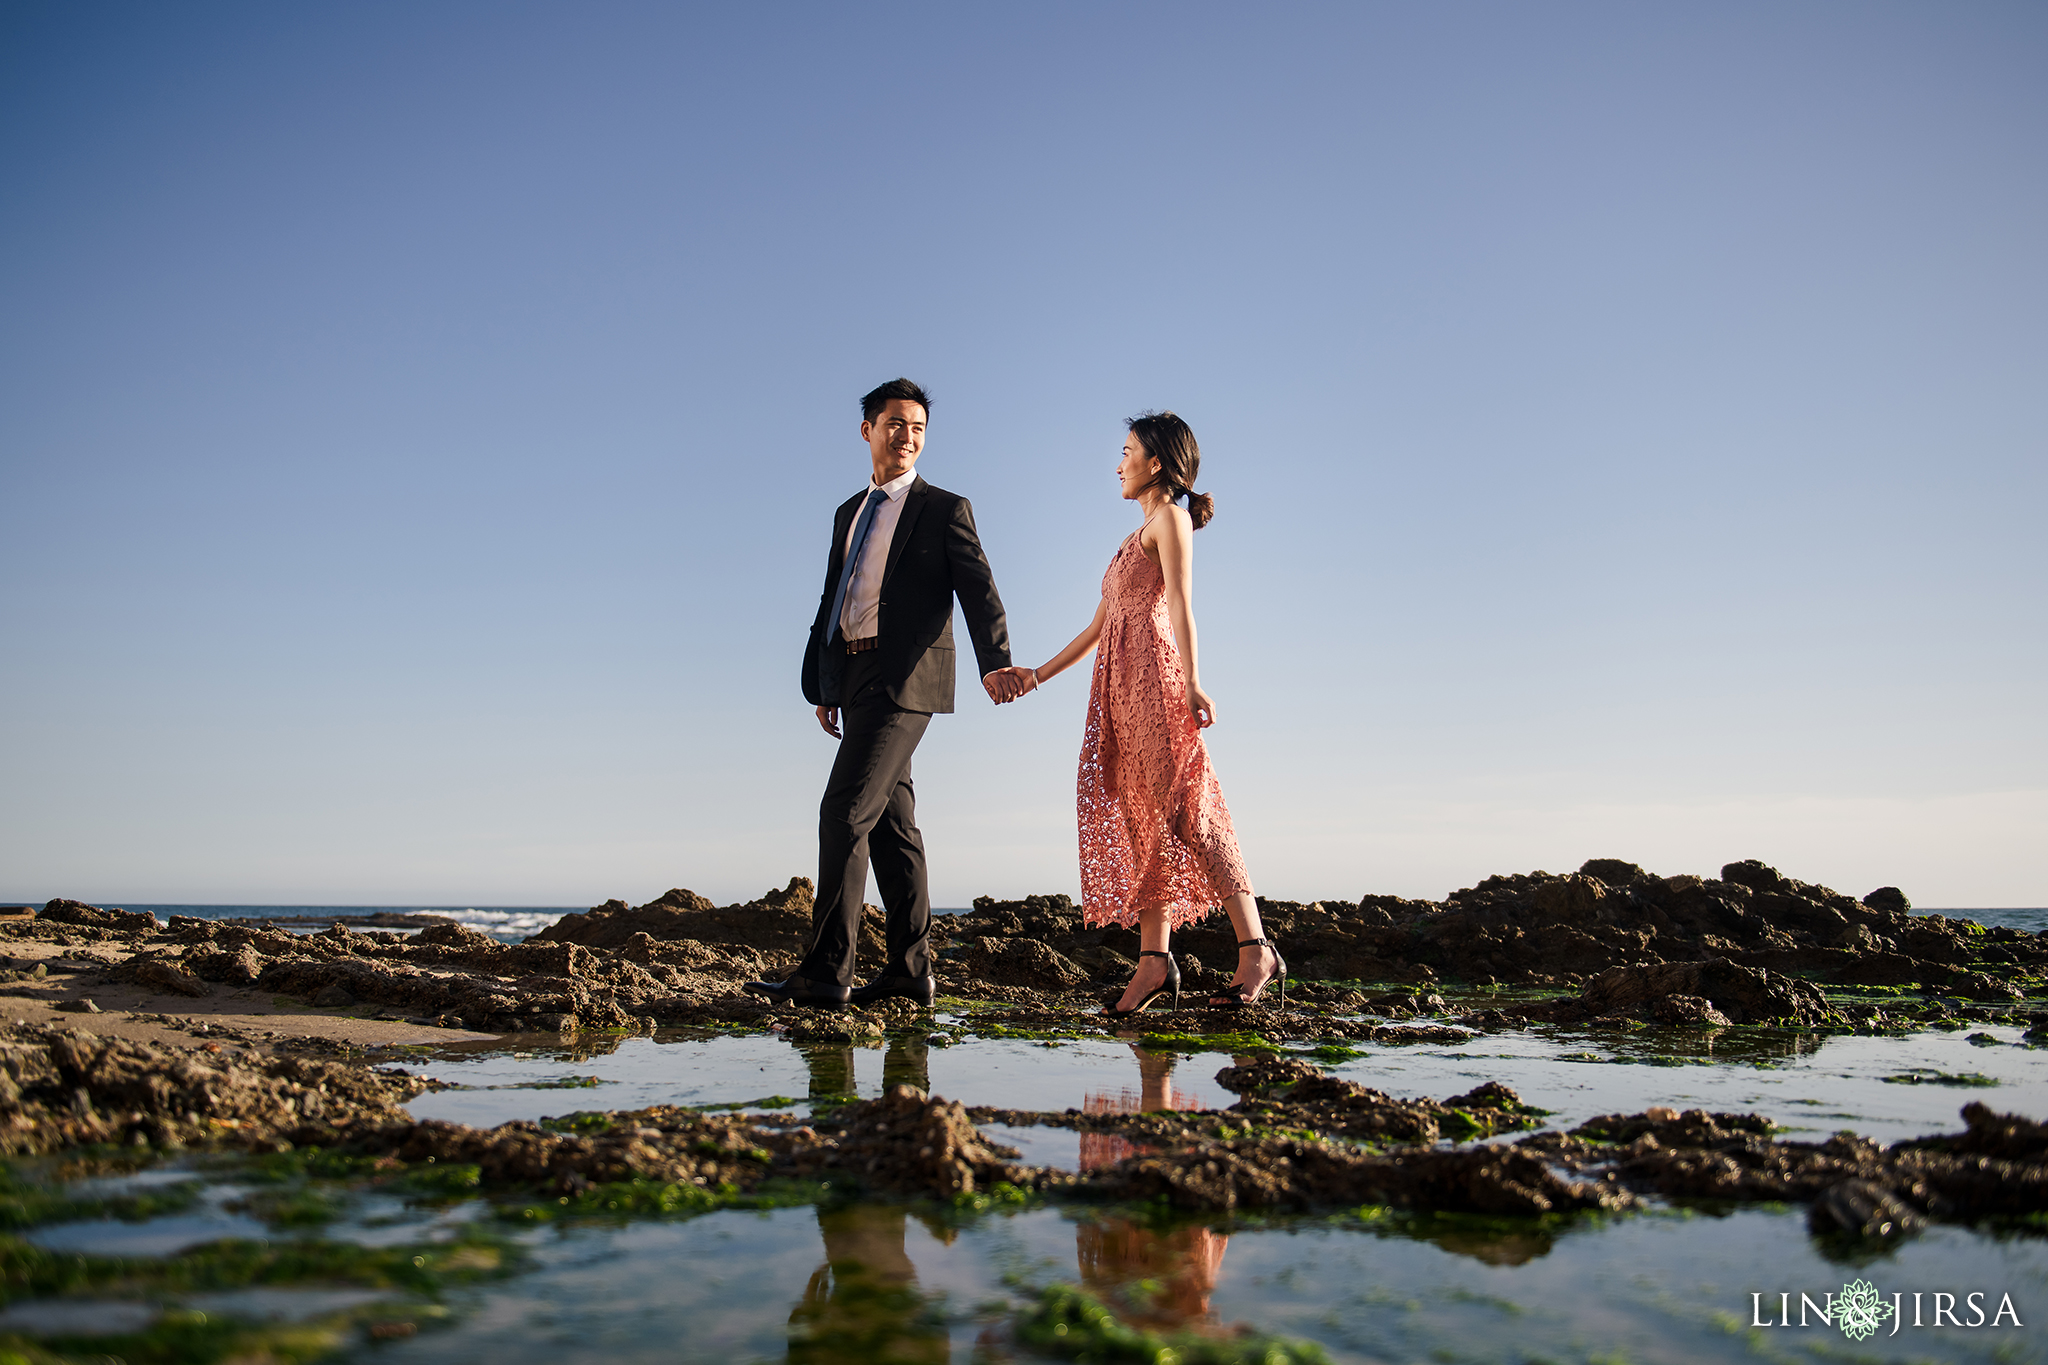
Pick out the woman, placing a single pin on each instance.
(1157, 848)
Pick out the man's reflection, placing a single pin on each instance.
(831, 1068)
(863, 1303)
(1162, 1279)
(907, 1062)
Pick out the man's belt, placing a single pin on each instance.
(863, 645)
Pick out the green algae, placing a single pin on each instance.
(1059, 1033)
(429, 1269)
(26, 1204)
(1189, 1044)
(184, 1337)
(1065, 1321)
(642, 1198)
(188, 1338)
(1926, 1076)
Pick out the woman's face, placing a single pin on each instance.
(1137, 471)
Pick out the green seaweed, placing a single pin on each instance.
(1062, 1033)
(641, 1197)
(29, 1271)
(25, 1204)
(1187, 1044)
(1063, 1320)
(1923, 1076)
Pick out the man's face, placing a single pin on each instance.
(895, 437)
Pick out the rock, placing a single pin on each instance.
(77, 1007)
(1020, 962)
(451, 934)
(1687, 1010)
(1757, 876)
(1889, 899)
(1276, 1173)
(1862, 1208)
(1743, 995)
(1266, 1073)
(162, 974)
(1612, 871)
(780, 921)
(240, 967)
(1491, 1095)
(909, 1144)
(91, 916)
(334, 997)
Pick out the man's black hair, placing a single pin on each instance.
(876, 399)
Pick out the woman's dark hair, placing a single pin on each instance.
(874, 400)
(1171, 441)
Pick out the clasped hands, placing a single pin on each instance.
(1008, 684)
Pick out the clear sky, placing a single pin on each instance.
(420, 423)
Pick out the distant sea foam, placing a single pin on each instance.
(509, 923)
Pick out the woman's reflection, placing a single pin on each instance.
(1160, 1279)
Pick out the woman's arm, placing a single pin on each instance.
(1176, 545)
(1028, 679)
(1076, 649)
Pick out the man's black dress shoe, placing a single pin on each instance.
(801, 991)
(921, 990)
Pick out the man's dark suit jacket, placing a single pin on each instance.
(934, 557)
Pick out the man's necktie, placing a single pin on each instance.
(876, 497)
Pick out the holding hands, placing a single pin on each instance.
(1008, 684)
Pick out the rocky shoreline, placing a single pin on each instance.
(1608, 945)
(1609, 942)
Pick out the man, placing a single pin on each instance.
(879, 665)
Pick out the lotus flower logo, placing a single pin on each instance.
(1859, 1311)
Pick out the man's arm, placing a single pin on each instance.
(975, 585)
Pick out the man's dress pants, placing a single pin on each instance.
(869, 814)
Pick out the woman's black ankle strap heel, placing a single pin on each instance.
(1240, 995)
(1172, 983)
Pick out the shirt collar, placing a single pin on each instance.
(897, 486)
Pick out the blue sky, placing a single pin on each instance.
(419, 426)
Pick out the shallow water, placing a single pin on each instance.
(875, 1282)
(1811, 1084)
(881, 1281)
(878, 1281)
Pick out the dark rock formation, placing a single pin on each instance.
(92, 917)
(1692, 992)
(60, 1088)
(1685, 950)
(779, 922)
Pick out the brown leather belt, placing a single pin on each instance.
(862, 646)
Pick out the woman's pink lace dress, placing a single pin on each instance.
(1154, 829)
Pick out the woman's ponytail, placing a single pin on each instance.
(1201, 507)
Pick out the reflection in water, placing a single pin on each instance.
(831, 1068)
(907, 1062)
(1155, 1092)
(1161, 1279)
(863, 1304)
